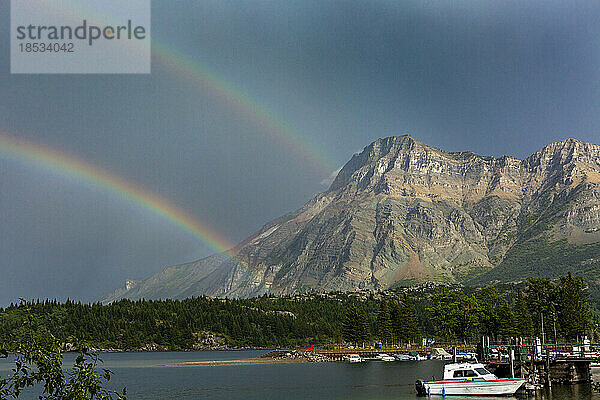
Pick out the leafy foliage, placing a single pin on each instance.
(38, 361)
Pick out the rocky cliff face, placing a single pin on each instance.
(402, 212)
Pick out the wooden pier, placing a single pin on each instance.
(542, 364)
(367, 353)
(546, 372)
(540, 369)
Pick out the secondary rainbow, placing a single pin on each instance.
(280, 130)
(203, 77)
(45, 157)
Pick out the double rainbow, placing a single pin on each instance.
(202, 77)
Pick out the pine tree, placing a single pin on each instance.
(574, 316)
(523, 321)
(349, 329)
(355, 326)
(490, 303)
(508, 323)
(456, 315)
(384, 322)
(363, 333)
(408, 324)
(395, 321)
(541, 300)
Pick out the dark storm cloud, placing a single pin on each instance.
(498, 77)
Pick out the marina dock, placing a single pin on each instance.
(541, 364)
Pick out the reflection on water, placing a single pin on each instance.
(146, 377)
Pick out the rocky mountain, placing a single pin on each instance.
(402, 212)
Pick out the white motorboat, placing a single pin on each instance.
(385, 357)
(353, 358)
(466, 379)
(439, 353)
(402, 357)
(466, 356)
(414, 355)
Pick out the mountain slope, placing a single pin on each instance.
(402, 212)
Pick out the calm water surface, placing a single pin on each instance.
(147, 379)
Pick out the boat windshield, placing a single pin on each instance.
(482, 371)
(465, 373)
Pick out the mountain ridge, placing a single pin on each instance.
(402, 212)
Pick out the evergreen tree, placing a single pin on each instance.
(384, 322)
(455, 315)
(395, 321)
(542, 300)
(574, 315)
(508, 320)
(496, 317)
(523, 321)
(349, 328)
(408, 324)
(292, 321)
(363, 333)
(355, 327)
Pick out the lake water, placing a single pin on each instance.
(147, 379)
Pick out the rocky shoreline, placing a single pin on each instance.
(291, 357)
(154, 348)
(160, 349)
(205, 341)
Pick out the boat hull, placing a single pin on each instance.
(499, 387)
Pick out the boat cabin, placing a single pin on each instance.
(467, 371)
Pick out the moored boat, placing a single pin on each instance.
(439, 353)
(385, 357)
(414, 355)
(466, 379)
(353, 358)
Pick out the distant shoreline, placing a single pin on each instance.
(135, 351)
(245, 361)
(97, 350)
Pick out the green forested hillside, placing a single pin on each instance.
(447, 313)
(538, 257)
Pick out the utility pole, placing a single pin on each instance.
(543, 333)
(554, 320)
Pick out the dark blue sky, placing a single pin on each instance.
(494, 77)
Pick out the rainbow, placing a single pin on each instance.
(202, 77)
(280, 130)
(45, 157)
